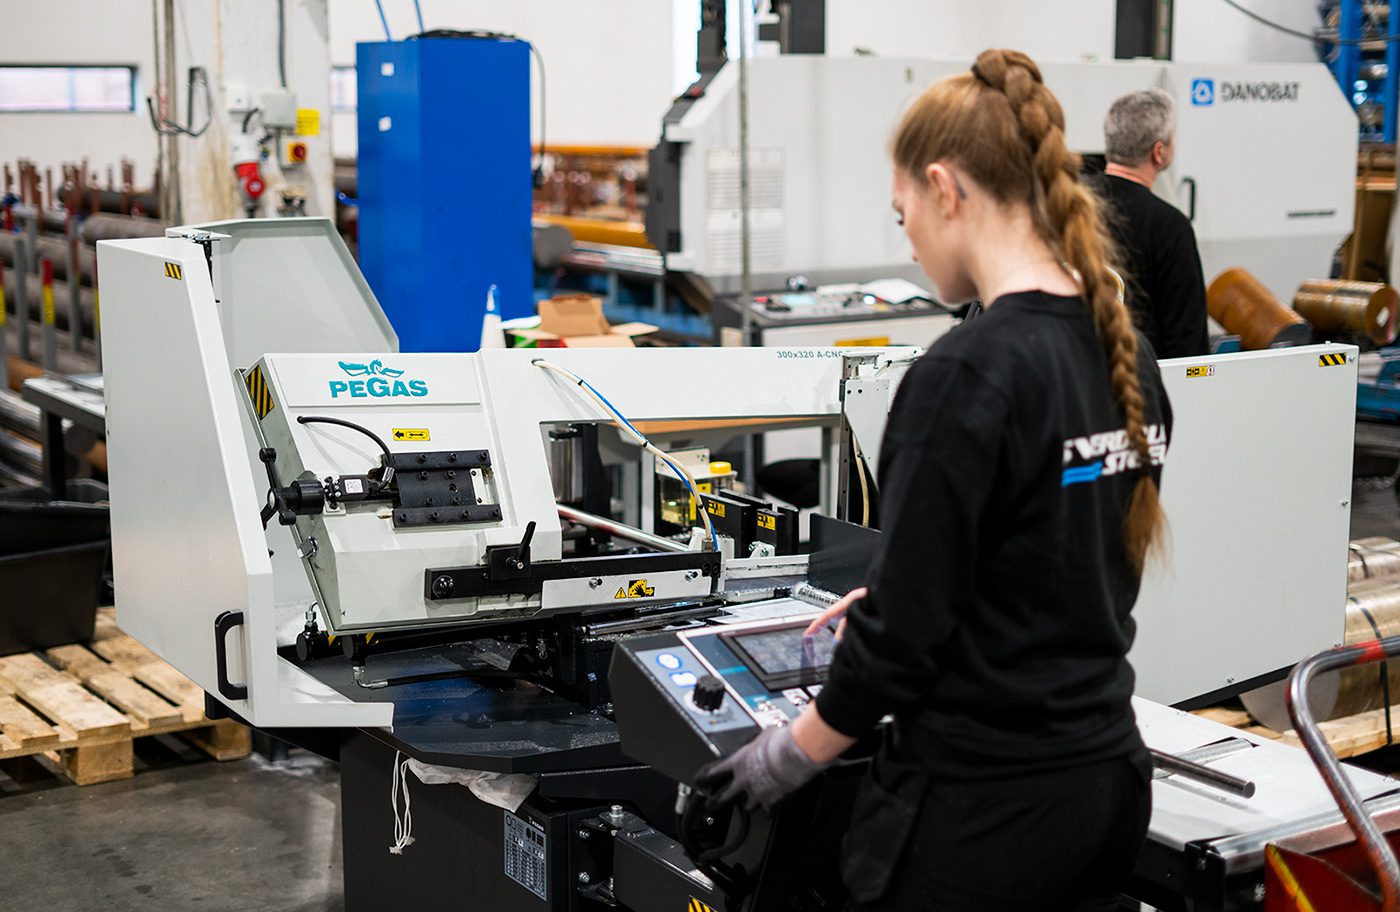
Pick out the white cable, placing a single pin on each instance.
(403, 825)
(639, 439)
(864, 485)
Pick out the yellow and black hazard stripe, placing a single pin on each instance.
(1331, 360)
(173, 271)
(259, 393)
(697, 906)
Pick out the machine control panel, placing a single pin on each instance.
(687, 697)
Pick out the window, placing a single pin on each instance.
(344, 95)
(67, 88)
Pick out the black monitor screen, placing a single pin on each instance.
(785, 657)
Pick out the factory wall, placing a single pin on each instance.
(1050, 29)
(233, 47)
(80, 31)
(613, 65)
(240, 53)
(609, 63)
(1208, 30)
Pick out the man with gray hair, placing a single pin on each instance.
(1166, 290)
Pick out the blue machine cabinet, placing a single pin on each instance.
(444, 184)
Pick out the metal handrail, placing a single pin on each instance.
(1378, 850)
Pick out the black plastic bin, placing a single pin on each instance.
(53, 565)
(49, 598)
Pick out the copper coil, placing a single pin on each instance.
(1373, 558)
(1372, 611)
(1369, 308)
(1237, 301)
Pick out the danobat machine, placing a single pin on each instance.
(382, 557)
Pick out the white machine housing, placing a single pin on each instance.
(1265, 159)
(1256, 486)
(370, 574)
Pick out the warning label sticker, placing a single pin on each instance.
(635, 589)
(173, 271)
(412, 434)
(1201, 370)
(527, 851)
(259, 393)
(1336, 360)
(768, 521)
(308, 122)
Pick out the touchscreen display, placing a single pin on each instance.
(780, 651)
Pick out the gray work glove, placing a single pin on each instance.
(762, 772)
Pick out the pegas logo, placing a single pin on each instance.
(380, 382)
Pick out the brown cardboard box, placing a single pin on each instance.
(577, 321)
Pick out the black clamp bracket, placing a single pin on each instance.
(287, 502)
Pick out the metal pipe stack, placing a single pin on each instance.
(1372, 611)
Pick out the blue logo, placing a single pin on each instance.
(1081, 474)
(381, 382)
(1203, 92)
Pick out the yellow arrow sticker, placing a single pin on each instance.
(411, 434)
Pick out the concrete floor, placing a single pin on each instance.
(213, 837)
(229, 837)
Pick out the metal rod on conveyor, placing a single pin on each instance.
(1169, 763)
(621, 530)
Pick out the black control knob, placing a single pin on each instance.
(708, 694)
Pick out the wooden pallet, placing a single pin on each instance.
(82, 706)
(1349, 736)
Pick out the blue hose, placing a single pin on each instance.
(383, 19)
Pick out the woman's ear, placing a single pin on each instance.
(943, 185)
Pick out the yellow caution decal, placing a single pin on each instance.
(411, 434)
(1331, 360)
(635, 589)
(173, 271)
(1201, 370)
(697, 906)
(768, 521)
(714, 508)
(259, 393)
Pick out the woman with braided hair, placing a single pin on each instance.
(1018, 479)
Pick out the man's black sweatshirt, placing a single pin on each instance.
(1166, 290)
(998, 620)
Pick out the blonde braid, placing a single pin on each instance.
(1068, 217)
